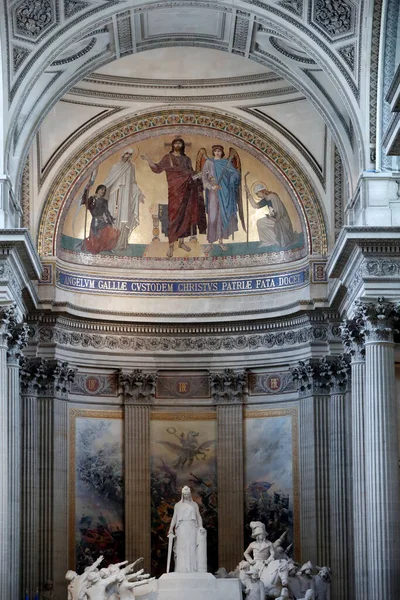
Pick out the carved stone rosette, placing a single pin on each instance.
(228, 387)
(138, 387)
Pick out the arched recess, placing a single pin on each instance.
(46, 76)
(86, 158)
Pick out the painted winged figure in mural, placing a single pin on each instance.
(189, 448)
(222, 183)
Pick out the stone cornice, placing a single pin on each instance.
(21, 241)
(287, 333)
(370, 240)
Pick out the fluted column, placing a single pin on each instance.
(6, 317)
(353, 341)
(338, 490)
(138, 391)
(17, 340)
(381, 450)
(313, 379)
(31, 374)
(52, 466)
(227, 390)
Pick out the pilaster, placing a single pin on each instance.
(53, 482)
(353, 341)
(138, 390)
(314, 381)
(33, 374)
(228, 391)
(338, 472)
(6, 318)
(17, 340)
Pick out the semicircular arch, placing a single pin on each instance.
(226, 127)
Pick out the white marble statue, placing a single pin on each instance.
(284, 595)
(98, 582)
(309, 595)
(253, 587)
(322, 584)
(188, 536)
(77, 583)
(261, 550)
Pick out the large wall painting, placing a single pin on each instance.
(181, 196)
(271, 474)
(183, 452)
(96, 487)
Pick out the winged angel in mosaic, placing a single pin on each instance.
(189, 448)
(222, 183)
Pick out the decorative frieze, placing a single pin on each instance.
(138, 387)
(228, 387)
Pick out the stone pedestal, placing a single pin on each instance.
(197, 586)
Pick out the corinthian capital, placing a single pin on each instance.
(321, 376)
(228, 387)
(138, 387)
(353, 337)
(17, 341)
(45, 378)
(8, 318)
(379, 319)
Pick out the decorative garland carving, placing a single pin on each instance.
(85, 159)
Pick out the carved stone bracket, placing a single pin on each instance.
(45, 378)
(322, 376)
(378, 319)
(138, 387)
(228, 387)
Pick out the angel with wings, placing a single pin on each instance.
(221, 179)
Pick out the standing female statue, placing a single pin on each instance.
(189, 536)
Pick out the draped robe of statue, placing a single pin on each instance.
(221, 204)
(124, 198)
(276, 229)
(190, 541)
(186, 212)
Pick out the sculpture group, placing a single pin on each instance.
(267, 570)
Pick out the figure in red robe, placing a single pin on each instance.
(186, 211)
